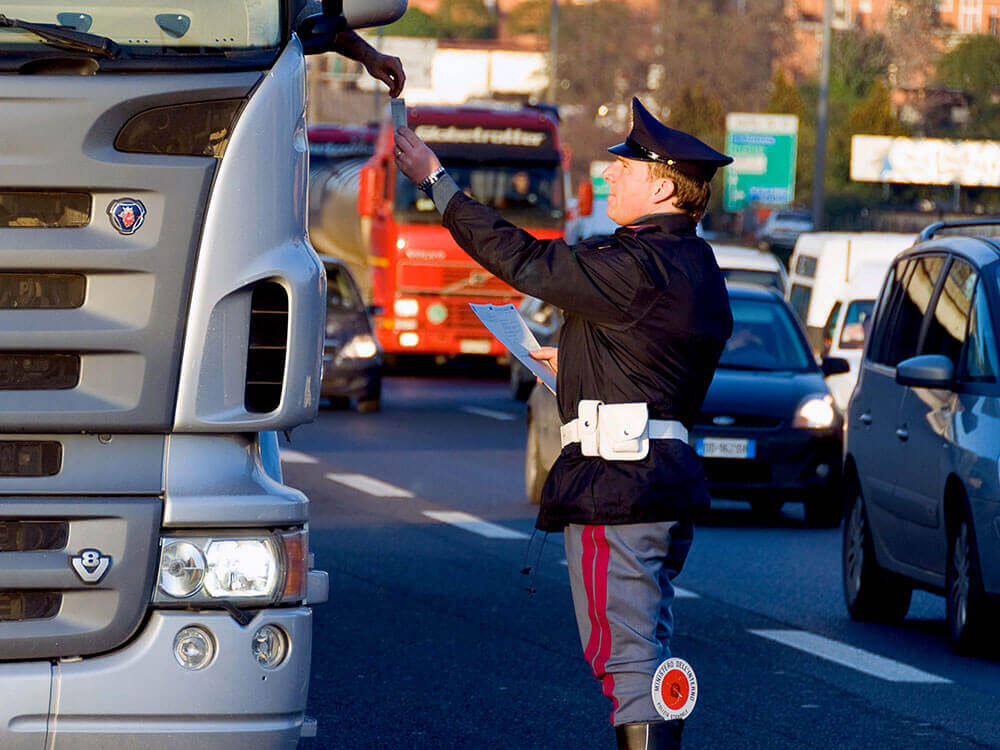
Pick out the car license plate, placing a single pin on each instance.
(726, 448)
(474, 346)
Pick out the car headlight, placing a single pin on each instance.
(362, 346)
(406, 308)
(232, 568)
(815, 413)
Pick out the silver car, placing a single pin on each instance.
(921, 469)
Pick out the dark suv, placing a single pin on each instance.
(921, 471)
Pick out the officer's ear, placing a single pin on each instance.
(663, 189)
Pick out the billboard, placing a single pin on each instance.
(925, 161)
(763, 151)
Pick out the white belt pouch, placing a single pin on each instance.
(615, 432)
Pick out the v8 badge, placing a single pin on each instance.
(127, 215)
(91, 565)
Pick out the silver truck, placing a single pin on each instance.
(161, 315)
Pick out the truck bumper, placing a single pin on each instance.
(139, 697)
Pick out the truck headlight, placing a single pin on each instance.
(815, 413)
(405, 308)
(234, 568)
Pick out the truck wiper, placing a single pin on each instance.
(65, 37)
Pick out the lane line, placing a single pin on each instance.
(849, 656)
(473, 524)
(370, 485)
(491, 413)
(288, 456)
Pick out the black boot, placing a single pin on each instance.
(656, 735)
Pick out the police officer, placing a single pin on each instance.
(646, 319)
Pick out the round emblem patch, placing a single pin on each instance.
(675, 689)
(437, 313)
(127, 215)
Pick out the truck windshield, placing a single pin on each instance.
(527, 195)
(145, 29)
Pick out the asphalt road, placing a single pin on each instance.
(430, 639)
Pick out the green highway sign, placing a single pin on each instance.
(763, 168)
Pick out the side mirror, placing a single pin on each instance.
(318, 31)
(835, 366)
(585, 199)
(366, 191)
(926, 371)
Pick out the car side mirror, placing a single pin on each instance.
(585, 198)
(835, 366)
(318, 31)
(926, 371)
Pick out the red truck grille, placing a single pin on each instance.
(450, 278)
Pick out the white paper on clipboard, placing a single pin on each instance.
(504, 322)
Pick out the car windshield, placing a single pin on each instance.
(770, 279)
(852, 335)
(529, 196)
(764, 338)
(143, 28)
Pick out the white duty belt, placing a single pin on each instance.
(618, 432)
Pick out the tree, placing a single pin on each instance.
(529, 17)
(414, 23)
(465, 19)
(912, 32)
(974, 66)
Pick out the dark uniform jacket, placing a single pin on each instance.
(646, 319)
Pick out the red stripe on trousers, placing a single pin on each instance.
(596, 555)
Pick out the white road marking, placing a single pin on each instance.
(849, 656)
(492, 414)
(473, 524)
(288, 456)
(372, 486)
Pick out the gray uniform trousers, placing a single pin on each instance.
(622, 592)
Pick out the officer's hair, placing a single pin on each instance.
(692, 194)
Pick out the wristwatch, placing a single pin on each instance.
(428, 182)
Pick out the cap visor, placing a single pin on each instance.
(623, 149)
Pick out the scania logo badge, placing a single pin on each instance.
(91, 565)
(723, 421)
(127, 215)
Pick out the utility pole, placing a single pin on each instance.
(553, 50)
(822, 111)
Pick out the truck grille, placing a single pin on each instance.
(457, 278)
(31, 209)
(47, 608)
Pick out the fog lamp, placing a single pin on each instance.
(270, 646)
(194, 648)
(182, 569)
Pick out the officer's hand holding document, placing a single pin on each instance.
(504, 322)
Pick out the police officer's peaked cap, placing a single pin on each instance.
(651, 140)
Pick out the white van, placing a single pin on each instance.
(847, 326)
(823, 262)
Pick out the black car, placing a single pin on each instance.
(352, 358)
(768, 432)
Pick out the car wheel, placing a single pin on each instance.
(825, 511)
(970, 613)
(534, 473)
(871, 593)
